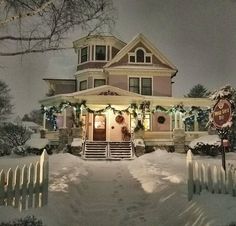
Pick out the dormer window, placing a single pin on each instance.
(84, 54)
(140, 56)
(100, 52)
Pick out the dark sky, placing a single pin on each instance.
(198, 36)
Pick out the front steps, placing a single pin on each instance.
(102, 150)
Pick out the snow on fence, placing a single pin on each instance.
(211, 178)
(26, 187)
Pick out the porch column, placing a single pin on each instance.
(176, 120)
(196, 126)
(44, 120)
(64, 118)
(180, 120)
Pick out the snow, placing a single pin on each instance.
(149, 190)
(208, 139)
(77, 142)
(36, 142)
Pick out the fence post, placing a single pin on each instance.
(230, 181)
(24, 183)
(197, 179)
(2, 190)
(209, 179)
(44, 169)
(31, 177)
(223, 181)
(17, 187)
(215, 180)
(10, 194)
(190, 175)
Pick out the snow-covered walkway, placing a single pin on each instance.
(148, 191)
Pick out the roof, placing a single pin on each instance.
(141, 38)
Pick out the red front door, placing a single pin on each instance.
(99, 127)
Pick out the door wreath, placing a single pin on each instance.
(120, 119)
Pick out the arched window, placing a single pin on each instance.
(140, 56)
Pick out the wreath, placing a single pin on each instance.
(119, 119)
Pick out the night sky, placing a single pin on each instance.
(198, 36)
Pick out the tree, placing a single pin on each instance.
(198, 91)
(42, 25)
(13, 135)
(5, 101)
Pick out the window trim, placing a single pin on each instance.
(140, 84)
(98, 79)
(95, 51)
(134, 54)
(80, 62)
(80, 84)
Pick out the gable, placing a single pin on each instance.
(158, 60)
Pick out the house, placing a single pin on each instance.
(118, 89)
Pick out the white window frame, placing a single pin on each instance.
(86, 84)
(95, 48)
(140, 83)
(80, 56)
(134, 54)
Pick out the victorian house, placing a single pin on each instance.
(120, 92)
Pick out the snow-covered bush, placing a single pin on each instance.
(27, 221)
(20, 150)
(13, 135)
(4, 149)
(206, 145)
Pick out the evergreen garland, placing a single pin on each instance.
(144, 107)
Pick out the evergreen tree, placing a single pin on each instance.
(5, 101)
(198, 91)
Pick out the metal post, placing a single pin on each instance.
(223, 155)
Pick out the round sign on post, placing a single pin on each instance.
(222, 113)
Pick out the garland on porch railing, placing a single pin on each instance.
(189, 114)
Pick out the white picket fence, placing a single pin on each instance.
(211, 178)
(26, 187)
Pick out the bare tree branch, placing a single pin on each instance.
(28, 14)
(48, 22)
(34, 51)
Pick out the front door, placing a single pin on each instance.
(99, 127)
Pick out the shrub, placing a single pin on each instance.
(20, 150)
(13, 135)
(27, 221)
(4, 149)
(206, 149)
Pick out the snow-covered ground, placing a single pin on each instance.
(150, 190)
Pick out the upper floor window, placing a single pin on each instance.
(99, 82)
(100, 52)
(83, 85)
(84, 54)
(140, 85)
(140, 56)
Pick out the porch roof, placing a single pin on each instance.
(107, 94)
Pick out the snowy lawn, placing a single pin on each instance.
(150, 190)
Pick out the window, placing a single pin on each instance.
(100, 52)
(140, 85)
(146, 122)
(146, 85)
(140, 56)
(134, 85)
(99, 82)
(83, 85)
(84, 54)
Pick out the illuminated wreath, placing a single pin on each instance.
(119, 119)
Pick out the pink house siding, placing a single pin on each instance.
(162, 86)
(158, 126)
(119, 81)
